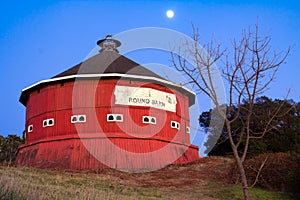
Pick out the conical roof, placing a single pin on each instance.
(108, 62)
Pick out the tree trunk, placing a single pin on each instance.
(243, 176)
(239, 162)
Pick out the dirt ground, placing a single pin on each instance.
(198, 180)
(189, 181)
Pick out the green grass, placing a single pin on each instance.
(236, 193)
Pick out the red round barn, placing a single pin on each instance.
(107, 111)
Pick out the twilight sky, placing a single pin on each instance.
(39, 39)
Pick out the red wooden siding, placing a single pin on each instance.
(72, 154)
(95, 99)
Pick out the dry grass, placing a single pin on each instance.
(173, 182)
(206, 179)
(26, 183)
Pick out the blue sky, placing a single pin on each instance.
(39, 39)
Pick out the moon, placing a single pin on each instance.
(170, 14)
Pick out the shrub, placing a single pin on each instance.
(280, 172)
(9, 148)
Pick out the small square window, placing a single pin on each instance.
(173, 124)
(110, 118)
(81, 118)
(146, 119)
(51, 122)
(153, 120)
(45, 123)
(74, 119)
(188, 130)
(119, 118)
(30, 128)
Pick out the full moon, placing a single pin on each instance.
(170, 14)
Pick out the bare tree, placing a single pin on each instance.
(247, 71)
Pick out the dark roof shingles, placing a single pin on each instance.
(108, 62)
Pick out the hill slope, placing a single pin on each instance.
(206, 179)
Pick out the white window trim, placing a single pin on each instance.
(52, 123)
(45, 125)
(30, 128)
(47, 122)
(177, 125)
(173, 122)
(115, 116)
(110, 120)
(150, 119)
(84, 118)
(77, 119)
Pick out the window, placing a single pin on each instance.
(48, 122)
(188, 130)
(119, 118)
(30, 128)
(146, 119)
(153, 120)
(175, 124)
(78, 118)
(82, 118)
(74, 119)
(45, 123)
(110, 118)
(149, 120)
(114, 117)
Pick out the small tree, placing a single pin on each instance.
(247, 72)
(9, 148)
(283, 138)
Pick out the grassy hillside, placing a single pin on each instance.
(206, 179)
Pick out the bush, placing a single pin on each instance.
(9, 148)
(280, 172)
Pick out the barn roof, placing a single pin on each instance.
(107, 64)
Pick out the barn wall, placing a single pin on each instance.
(92, 97)
(72, 154)
(59, 145)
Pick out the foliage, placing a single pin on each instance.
(235, 193)
(9, 148)
(280, 172)
(282, 136)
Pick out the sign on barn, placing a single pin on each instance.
(139, 96)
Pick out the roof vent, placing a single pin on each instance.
(109, 44)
